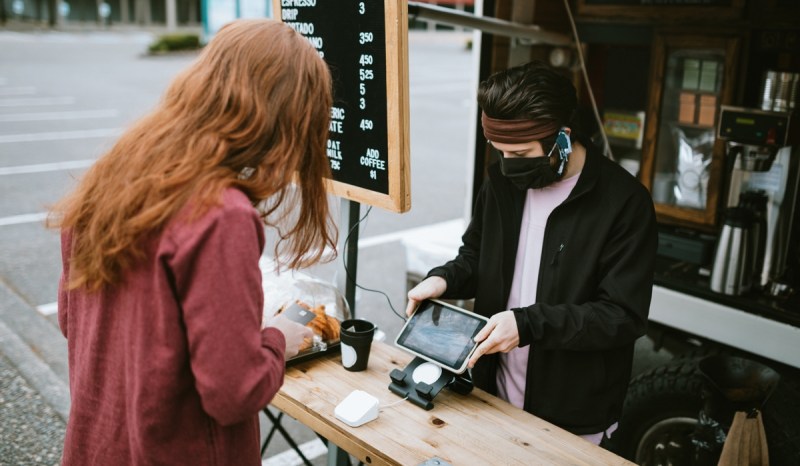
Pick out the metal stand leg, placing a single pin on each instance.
(337, 456)
(276, 425)
(271, 431)
(348, 239)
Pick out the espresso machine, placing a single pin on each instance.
(763, 181)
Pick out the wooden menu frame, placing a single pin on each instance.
(349, 182)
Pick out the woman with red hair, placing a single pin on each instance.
(160, 297)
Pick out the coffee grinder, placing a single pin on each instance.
(763, 177)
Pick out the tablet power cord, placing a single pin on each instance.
(394, 403)
(353, 279)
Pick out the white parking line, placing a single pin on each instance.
(438, 234)
(60, 135)
(27, 90)
(98, 37)
(46, 167)
(48, 309)
(46, 116)
(37, 101)
(24, 218)
(454, 225)
(311, 449)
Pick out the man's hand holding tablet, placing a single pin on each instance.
(430, 288)
(500, 335)
(441, 334)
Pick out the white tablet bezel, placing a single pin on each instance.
(457, 370)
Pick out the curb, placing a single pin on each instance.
(36, 349)
(52, 389)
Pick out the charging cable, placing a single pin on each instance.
(382, 407)
(353, 279)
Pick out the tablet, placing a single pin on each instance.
(442, 334)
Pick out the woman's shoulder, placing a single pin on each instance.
(234, 199)
(232, 209)
(232, 203)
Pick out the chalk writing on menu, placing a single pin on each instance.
(350, 37)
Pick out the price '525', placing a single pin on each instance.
(365, 75)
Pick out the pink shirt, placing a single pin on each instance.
(171, 366)
(539, 204)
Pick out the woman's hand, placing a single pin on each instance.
(431, 287)
(293, 332)
(499, 335)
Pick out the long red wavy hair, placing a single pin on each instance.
(256, 101)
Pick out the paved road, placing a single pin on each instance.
(65, 97)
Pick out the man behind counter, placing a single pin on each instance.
(559, 254)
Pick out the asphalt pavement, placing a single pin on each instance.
(66, 95)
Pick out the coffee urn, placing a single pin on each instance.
(732, 271)
(763, 178)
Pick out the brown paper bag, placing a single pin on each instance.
(746, 444)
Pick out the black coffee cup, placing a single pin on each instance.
(356, 340)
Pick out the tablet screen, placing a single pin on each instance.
(441, 333)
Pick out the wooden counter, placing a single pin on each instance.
(463, 430)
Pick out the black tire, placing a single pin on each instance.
(781, 412)
(663, 405)
(660, 414)
(782, 421)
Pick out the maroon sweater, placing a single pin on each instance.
(171, 366)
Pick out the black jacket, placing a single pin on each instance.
(595, 284)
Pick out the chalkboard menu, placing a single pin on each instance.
(365, 43)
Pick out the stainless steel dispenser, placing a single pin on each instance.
(732, 271)
(757, 144)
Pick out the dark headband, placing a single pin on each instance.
(517, 131)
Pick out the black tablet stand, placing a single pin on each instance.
(421, 393)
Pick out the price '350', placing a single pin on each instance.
(364, 37)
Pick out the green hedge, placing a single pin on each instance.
(173, 42)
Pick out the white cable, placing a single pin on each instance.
(606, 146)
(394, 403)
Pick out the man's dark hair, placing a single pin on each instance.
(531, 91)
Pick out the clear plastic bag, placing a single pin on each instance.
(314, 294)
(694, 158)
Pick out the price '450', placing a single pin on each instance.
(366, 59)
(365, 125)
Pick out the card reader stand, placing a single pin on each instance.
(421, 381)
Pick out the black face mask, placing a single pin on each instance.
(528, 172)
